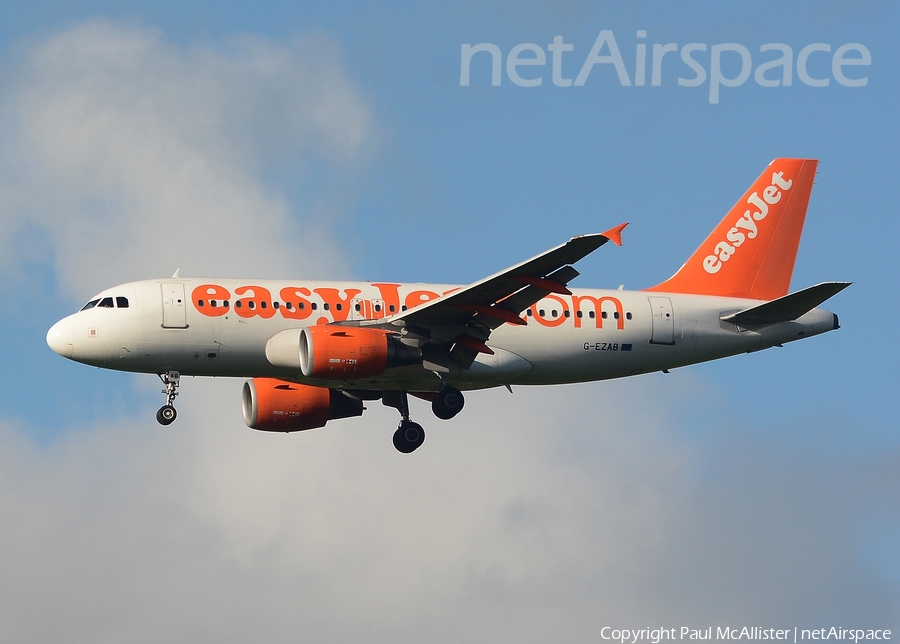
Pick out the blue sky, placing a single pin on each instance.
(335, 140)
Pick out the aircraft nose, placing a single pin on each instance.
(61, 337)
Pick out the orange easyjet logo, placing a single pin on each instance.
(327, 305)
(745, 227)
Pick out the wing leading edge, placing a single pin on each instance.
(465, 318)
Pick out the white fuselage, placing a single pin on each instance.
(205, 327)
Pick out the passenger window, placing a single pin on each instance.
(566, 313)
(616, 315)
(89, 305)
(325, 306)
(122, 302)
(578, 314)
(314, 306)
(393, 308)
(106, 303)
(591, 314)
(356, 306)
(603, 315)
(378, 308)
(338, 307)
(628, 315)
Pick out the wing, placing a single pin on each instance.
(456, 326)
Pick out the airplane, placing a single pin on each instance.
(318, 351)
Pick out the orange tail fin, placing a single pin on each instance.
(751, 252)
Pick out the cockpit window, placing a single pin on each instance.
(90, 305)
(122, 302)
(106, 303)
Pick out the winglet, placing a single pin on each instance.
(615, 234)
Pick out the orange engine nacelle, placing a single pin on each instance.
(273, 405)
(342, 353)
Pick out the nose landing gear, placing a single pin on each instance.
(166, 414)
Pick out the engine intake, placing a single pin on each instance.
(273, 405)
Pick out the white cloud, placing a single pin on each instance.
(136, 156)
(542, 515)
(207, 522)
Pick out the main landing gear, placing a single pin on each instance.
(447, 403)
(409, 436)
(166, 414)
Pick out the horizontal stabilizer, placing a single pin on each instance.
(787, 308)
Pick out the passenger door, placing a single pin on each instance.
(663, 331)
(174, 309)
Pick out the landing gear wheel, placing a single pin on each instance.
(447, 403)
(408, 437)
(166, 415)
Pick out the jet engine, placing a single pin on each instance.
(344, 353)
(337, 352)
(273, 405)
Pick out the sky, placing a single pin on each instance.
(339, 141)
